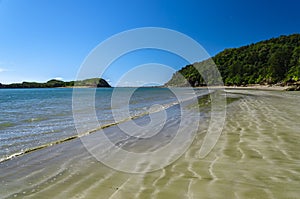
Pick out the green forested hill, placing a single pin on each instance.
(276, 60)
(93, 82)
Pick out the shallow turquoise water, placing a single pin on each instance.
(33, 117)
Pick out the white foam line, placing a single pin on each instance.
(9, 157)
(74, 186)
(174, 179)
(242, 152)
(190, 169)
(257, 151)
(173, 168)
(210, 169)
(142, 188)
(137, 195)
(189, 193)
(117, 191)
(154, 194)
(139, 183)
(294, 172)
(32, 174)
(51, 179)
(83, 194)
(284, 152)
(163, 174)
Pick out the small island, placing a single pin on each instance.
(53, 83)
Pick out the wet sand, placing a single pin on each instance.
(259, 87)
(257, 156)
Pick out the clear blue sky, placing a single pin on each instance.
(45, 39)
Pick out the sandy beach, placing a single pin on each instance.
(251, 87)
(112, 99)
(257, 156)
(259, 87)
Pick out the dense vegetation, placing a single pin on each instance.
(274, 61)
(94, 82)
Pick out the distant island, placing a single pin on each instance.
(93, 82)
(272, 62)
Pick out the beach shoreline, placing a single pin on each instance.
(256, 156)
(260, 87)
(249, 87)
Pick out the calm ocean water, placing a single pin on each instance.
(31, 118)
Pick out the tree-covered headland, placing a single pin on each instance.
(274, 61)
(93, 82)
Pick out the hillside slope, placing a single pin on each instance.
(273, 61)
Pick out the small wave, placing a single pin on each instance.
(6, 125)
(26, 136)
(36, 119)
(160, 108)
(24, 151)
(11, 156)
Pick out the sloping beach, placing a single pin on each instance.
(257, 156)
